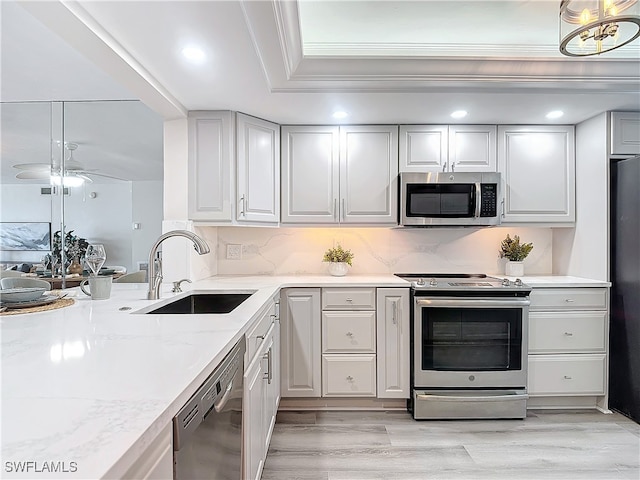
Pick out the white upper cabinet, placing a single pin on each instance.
(336, 175)
(310, 174)
(454, 148)
(258, 163)
(538, 173)
(211, 176)
(625, 133)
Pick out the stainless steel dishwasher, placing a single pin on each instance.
(207, 431)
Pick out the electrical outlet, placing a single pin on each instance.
(234, 252)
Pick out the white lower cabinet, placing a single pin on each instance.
(345, 342)
(261, 393)
(300, 342)
(393, 342)
(568, 347)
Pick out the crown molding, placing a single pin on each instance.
(275, 31)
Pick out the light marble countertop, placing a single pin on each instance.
(92, 384)
(564, 281)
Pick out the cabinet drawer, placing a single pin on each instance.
(349, 375)
(348, 299)
(255, 335)
(568, 299)
(567, 332)
(348, 332)
(566, 374)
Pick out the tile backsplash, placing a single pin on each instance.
(291, 251)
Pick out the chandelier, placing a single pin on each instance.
(592, 27)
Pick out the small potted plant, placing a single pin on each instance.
(515, 252)
(338, 259)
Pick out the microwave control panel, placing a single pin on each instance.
(488, 199)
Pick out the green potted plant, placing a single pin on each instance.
(515, 252)
(338, 259)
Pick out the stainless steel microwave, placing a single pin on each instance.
(450, 199)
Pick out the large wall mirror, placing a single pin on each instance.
(111, 159)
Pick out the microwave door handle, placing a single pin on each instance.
(478, 199)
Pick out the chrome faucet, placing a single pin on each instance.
(155, 269)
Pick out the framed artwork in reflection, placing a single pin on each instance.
(25, 236)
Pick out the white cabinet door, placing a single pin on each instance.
(423, 148)
(211, 176)
(538, 172)
(310, 174)
(253, 417)
(625, 133)
(258, 163)
(368, 174)
(393, 342)
(472, 148)
(300, 342)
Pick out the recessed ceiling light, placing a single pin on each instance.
(459, 114)
(193, 54)
(340, 114)
(555, 114)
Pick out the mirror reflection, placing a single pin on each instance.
(112, 173)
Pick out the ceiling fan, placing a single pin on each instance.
(75, 174)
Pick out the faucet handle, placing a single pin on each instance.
(176, 285)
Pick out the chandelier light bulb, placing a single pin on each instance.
(585, 16)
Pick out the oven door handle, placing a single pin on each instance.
(464, 398)
(461, 302)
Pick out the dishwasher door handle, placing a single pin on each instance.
(220, 404)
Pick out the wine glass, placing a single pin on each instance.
(95, 257)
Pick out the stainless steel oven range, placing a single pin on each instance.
(468, 346)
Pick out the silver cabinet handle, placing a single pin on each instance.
(394, 320)
(568, 334)
(569, 300)
(344, 214)
(268, 376)
(453, 166)
(349, 379)
(348, 300)
(242, 205)
(335, 209)
(349, 334)
(502, 208)
(567, 377)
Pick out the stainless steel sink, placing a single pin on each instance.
(193, 303)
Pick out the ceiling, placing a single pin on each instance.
(297, 62)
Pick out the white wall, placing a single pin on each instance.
(281, 251)
(583, 251)
(147, 211)
(179, 260)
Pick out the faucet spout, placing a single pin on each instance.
(155, 271)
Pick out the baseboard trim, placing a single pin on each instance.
(342, 404)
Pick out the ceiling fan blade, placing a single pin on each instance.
(87, 172)
(33, 175)
(33, 166)
(86, 179)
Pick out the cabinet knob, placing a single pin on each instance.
(568, 334)
(569, 300)
(350, 300)
(349, 378)
(567, 377)
(349, 334)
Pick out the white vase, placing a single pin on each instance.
(338, 269)
(514, 269)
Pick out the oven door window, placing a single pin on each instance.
(455, 200)
(471, 339)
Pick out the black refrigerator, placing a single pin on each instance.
(624, 337)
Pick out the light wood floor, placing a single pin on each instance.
(393, 446)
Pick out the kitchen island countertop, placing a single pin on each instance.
(93, 384)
